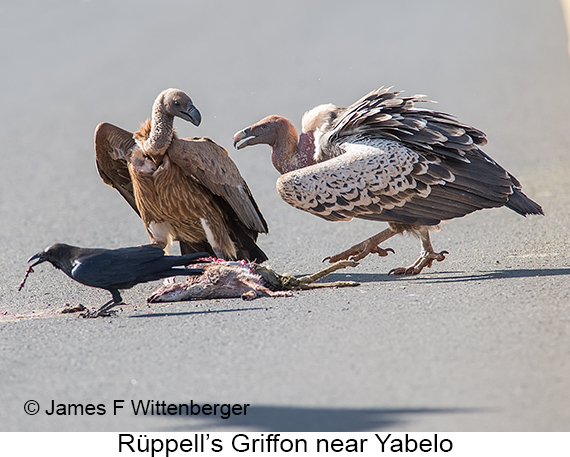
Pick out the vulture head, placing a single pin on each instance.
(269, 130)
(177, 104)
(289, 151)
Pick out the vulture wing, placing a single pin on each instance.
(384, 180)
(387, 115)
(384, 115)
(113, 146)
(210, 165)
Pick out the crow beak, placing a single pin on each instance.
(41, 256)
(243, 138)
(191, 115)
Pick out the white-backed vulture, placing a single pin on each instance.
(184, 189)
(383, 159)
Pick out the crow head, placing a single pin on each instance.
(57, 254)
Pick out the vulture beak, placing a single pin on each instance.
(40, 256)
(191, 115)
(243, 138)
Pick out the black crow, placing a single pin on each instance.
(114, 269)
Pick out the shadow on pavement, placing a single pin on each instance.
(298, 419)
(449, 276)
(189, 313)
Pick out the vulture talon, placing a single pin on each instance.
(382, 252)
(359, 251)
(383, 159)
(425, 260)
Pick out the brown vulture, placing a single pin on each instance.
(383, 159)
(184, 189)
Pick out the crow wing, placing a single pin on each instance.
(209, 164)
(113, 147)
(123, 268)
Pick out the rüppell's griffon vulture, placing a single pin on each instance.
(184, 189)
(383, 159)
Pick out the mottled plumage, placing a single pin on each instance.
(383, 159)
(186, 190)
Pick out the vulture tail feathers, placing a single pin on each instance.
(246, 247)
(523, 205)
(191, 248)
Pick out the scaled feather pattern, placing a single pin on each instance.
(383, 159)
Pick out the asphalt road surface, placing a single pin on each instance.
(480, 342)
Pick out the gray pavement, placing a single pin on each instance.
(481, 342)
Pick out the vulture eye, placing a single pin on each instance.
(264, 127)
(176, 102)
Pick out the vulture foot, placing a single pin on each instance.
(425, 260)
(359, 251)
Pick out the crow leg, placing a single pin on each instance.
(369, 246)
(426, 258)
(105, 310)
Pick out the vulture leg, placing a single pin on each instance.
(369, 246)
(425, 259)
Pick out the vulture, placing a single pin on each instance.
(384, 159)
(184, 189)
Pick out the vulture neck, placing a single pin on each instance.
(290, 152)
(161, 131)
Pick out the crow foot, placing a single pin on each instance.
(425, 260)
(104, 311)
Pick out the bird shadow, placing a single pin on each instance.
(307, 419)
(192, 313)
(451, 276)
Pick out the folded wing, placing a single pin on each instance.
(384, 180)
(113, 147)
(209, 164)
